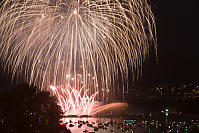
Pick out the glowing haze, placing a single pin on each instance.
(76, 101)
(85, 43)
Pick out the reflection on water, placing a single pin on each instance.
(89, 124)
(136, 125)
(84, 127)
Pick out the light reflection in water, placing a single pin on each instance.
(90, 120)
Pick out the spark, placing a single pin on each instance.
(53, 88)
(43, 16)
(75, 11)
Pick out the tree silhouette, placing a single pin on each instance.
(27, 110)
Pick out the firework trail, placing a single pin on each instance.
(109, 106)
(73, 101)
(79, 103)
(44, 41)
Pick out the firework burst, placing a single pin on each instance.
(43, 41)
(74, 101)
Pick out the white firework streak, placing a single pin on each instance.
(72, 101)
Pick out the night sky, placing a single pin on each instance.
(178, 56)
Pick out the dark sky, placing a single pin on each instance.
(178, 56)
